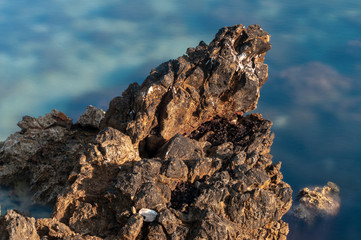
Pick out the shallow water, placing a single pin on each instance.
(66, 55)
(18, 197)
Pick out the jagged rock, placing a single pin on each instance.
(155, 232)
(91, 117)
(178, 145)
(318, 201)
(84, 203)
(221, 78)
(14, 226)
(53, 229)
(45, 152)
(132, 228)
(49, 228)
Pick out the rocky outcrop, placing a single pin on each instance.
(14, 226)
(91, 117)
(44, 153)
(317, 202)
(173, 158)
(222, 78)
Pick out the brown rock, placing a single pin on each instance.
(132, 228)
(178, 145)
(155, 232)
(150, 195)
(169, 221)
(318, 202)
(14, 226)
(49, 228)
(91, 117)
(83, 205)
(44, 153)
(221, 78)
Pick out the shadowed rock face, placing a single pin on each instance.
(221, 78)
(177, 145)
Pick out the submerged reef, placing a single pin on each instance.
(173, 158)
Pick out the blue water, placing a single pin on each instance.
(68, 54)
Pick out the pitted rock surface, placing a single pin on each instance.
(92, 117)
(218, 79)
(44, 152)
(178, 144)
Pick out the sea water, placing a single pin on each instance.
(69, 54)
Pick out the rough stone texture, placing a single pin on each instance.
(49, 228)
(178, 144)
(91, 117)
(84, 205)
(45, 152)
(221, 78)
(318, 202)
(14, 226)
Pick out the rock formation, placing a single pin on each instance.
(177, 147)
(219, 79)
(317, 202)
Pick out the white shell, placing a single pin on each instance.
(148, 214)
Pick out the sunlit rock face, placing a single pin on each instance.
(173, 158)
(218, 79)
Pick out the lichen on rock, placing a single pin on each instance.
(178, 145)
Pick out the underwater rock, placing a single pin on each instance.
(178, 147)
(318, 202)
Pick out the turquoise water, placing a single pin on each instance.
(68, 54)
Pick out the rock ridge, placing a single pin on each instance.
(222, 78)
(178, 147)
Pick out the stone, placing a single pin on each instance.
(43, 153)
(83, 204)
(219, 79)
(173, 158)
(14, 226)
(148, 214)
(318, 202)
(155, 232)
(91, 117)
(49, 228)
(132, 228)
(182, 148)
(169, 221)
(150, 195)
